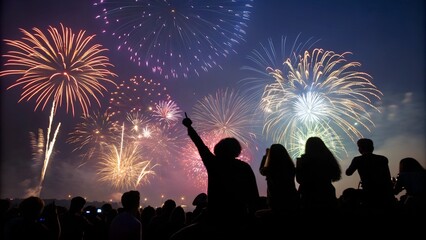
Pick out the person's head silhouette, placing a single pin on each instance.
(365, 145)
(227, 148)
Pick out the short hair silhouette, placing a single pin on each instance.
(227, 148)
(130, 199)
(77, 203)
(31, 207)
(365, 145)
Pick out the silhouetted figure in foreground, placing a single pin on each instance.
(147, 213)
(411, 179)
(280, 171)
(350, 203)
(200, 203)
(232, 189)
(176, 221)
(73, 223)
(282, 198)
(29, 224)
(316, 170)
(107, 214)
(158, 223)
(374, 173)
(5, 205)
(126, 225)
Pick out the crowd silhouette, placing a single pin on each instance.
(233, 209)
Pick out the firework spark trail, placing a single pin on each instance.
(61, 68)
(37, 145)
(122, 166)
(49, 147)
(146, 170)
(120, 155)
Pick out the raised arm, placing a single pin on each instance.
(202, 148)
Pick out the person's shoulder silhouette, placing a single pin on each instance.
(127, 225)
(316, 170)
(375, 177)
(232, 188)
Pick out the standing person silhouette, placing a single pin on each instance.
(280, 171)
(316, 170)
(411, 179)
(27, 224)
(231, 185)
(374, 173)
(127, 224)
(282, 198)
(74, 224)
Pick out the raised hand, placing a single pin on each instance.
(187, 121)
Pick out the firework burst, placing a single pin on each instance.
(317, 92)
(167, 112)
(327, 133)
(271, 55)
(93, 133)
(140, 126)
(228, 114)
(136, 95)
(177, 38)
(123, 167)
(160, 145)
(59, 67)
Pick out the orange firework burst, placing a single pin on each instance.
(60, 66)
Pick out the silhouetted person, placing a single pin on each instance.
(375, 176)
(108, 213)
(158, 223)
(200, 203)
(98, 226)
(29, 225)
(281, 204)
(316, 170)
(5, 205)
(147, 214)
(51, 219)
(175, 222)
(126, 225)
(350, 203)
(411, 179)
(73, 223)
(231, 185)
(280, 171)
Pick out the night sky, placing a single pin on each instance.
(387, 38)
